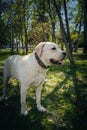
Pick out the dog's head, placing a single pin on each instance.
(50, 53)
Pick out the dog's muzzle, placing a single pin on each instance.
(59, 62)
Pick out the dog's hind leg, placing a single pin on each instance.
(5, 81)
(6, 75)
(23, 100)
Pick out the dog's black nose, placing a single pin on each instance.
(64, 53)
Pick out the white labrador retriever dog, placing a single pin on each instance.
(30, 70)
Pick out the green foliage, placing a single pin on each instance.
(74, 37)
(30, 21)
(41, 32)
(4, 33)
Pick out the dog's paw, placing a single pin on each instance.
(40, 108)
(25, 113)
(4, 98)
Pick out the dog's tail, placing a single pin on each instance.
(6, 75)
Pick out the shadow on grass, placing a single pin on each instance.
(80, 122)
(74, 117)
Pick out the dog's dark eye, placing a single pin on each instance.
(54, 48)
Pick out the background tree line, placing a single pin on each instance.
(25, 23)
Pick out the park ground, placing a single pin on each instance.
(64, 95)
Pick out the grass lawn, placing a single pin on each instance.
(64, 94)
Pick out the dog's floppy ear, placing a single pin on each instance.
(39, 48)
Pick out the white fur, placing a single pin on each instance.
(29, 72)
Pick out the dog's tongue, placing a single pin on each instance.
(61, 62)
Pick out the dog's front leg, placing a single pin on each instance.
(38, 99)
(23, 100)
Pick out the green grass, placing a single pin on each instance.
(64, 94)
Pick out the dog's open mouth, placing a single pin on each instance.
(57, 62)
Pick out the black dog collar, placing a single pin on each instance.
(40, 62)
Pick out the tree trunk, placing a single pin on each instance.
(79, 30)
(25, 28)
(68, 48)
(52, 16)
(53, 32)
(12, 41)
(77, 44)
(26, 45)
(17, 46)
(85, 27)
(22, 44)
(67, 27)
(11, 30)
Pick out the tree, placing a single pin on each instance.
(4, 34)
(78, 21)
(52, 15)
(21, 23)
(44, 12)
(42, 34)
(67, 27)
(68, 47)
(4, 24)
(85, 26)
